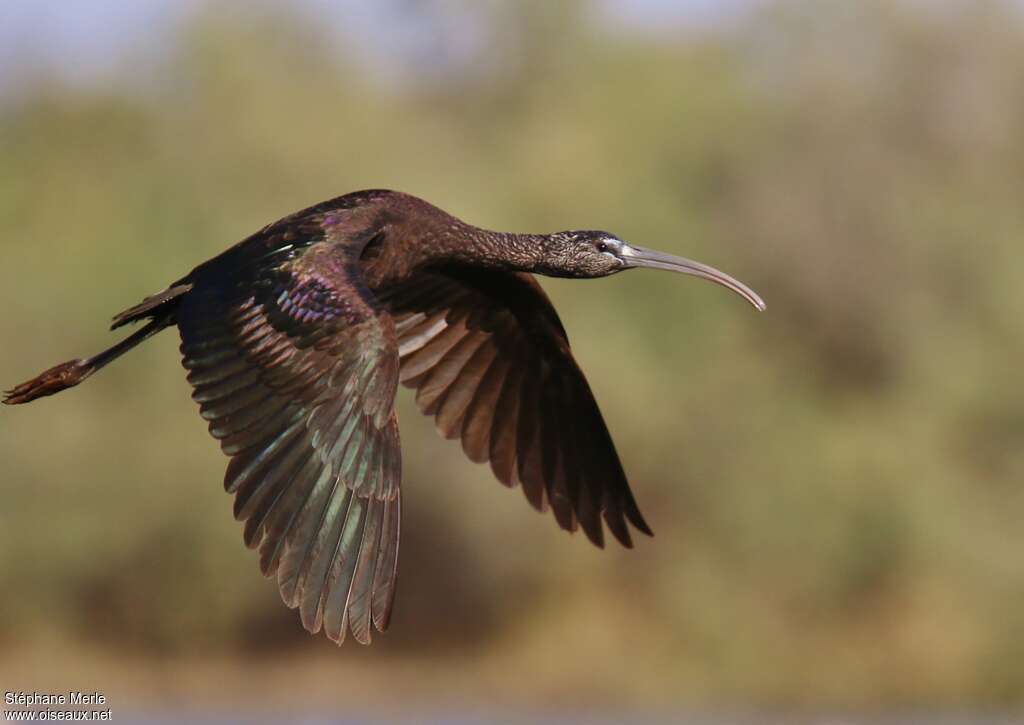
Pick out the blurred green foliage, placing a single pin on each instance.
(835, 485)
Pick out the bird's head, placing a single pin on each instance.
(591, 253)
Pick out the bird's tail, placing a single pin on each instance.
(161, 304)
(159, 308)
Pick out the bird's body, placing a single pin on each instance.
(296, 338)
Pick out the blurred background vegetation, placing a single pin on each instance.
(835, 485)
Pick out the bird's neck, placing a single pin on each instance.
(494, 250)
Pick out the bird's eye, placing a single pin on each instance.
(601, 246)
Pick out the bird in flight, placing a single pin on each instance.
(295, 341)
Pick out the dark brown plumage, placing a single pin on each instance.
(296, 338)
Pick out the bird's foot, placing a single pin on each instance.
(58, 378)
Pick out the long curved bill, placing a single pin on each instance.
(640, 257)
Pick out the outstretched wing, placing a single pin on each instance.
(295, 367)
(491, 363)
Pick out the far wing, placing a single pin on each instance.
(491, 363)
(296, 369)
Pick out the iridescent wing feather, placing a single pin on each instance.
(296, 369)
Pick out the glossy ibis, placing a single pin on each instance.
(295, 340)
